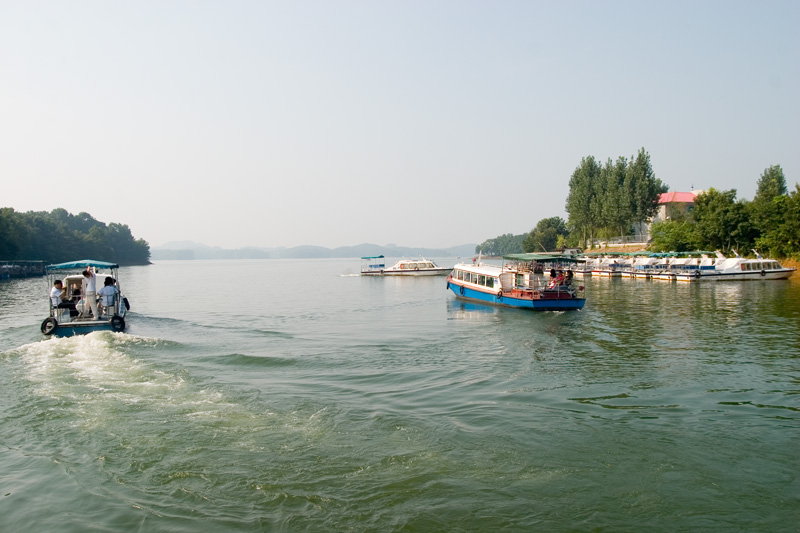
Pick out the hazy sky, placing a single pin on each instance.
(420, 123)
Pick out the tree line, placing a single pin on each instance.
(59, 236)
(621, 196)
(770, 223)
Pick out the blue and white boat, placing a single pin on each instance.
(74, 315)
(518, 283)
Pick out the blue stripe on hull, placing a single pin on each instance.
(66, 330)
(519, 303)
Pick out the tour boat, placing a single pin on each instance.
(376, 266)
(74, 316)
(739, 268)
(516, 284)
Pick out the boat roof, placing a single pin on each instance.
(83, 263)
(543, 257)
(490, 270)
(373, 257)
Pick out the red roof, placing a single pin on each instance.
(677, 197)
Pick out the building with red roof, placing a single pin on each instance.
(672, 205)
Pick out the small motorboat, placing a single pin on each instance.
(71, 313)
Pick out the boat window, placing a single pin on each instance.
(481, 279)
(490, 282)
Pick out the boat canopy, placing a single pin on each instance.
(84, 263)
(373, 257)
(543, 257)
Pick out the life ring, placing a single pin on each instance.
(697, 273)
(461, 290)
(49, 326)
(117, 323)
(763, 272)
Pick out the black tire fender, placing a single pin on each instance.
(461, 290)
(117, 323)
(49, 326)
(697, 273)
(763, 272)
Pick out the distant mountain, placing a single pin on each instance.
(187, 250)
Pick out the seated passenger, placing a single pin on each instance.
(108, 295)
(57, 298)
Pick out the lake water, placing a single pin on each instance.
(288, 395)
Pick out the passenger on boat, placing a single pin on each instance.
(107, 295)
(557, 280)
(90, 291)
(57, 296)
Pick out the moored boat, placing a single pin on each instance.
(516, 284)
(76, 311)
(376, 266)
(740, 269)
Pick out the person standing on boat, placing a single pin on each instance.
(90, 290)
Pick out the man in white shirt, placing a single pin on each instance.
(90, 291)
(56, 295)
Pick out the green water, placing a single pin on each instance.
(298, 396)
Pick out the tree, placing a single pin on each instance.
(643, 188)
(59, 236)
(722, 222)
(673, 236)
(766, 210)
(544, 237)
(783, 239)
(609, 199)
(501, 245)
(616, 209)
(582, 221)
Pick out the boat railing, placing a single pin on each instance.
(542, 287)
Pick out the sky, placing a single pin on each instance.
(418, 123)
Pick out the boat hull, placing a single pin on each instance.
(411, 273)
(559, 302)
(70, 328)
(746, 276)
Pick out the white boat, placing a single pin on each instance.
(739, 268)
(643, 267)
(74, 315)
(519, 284)
(608, 267)
(376, 266)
